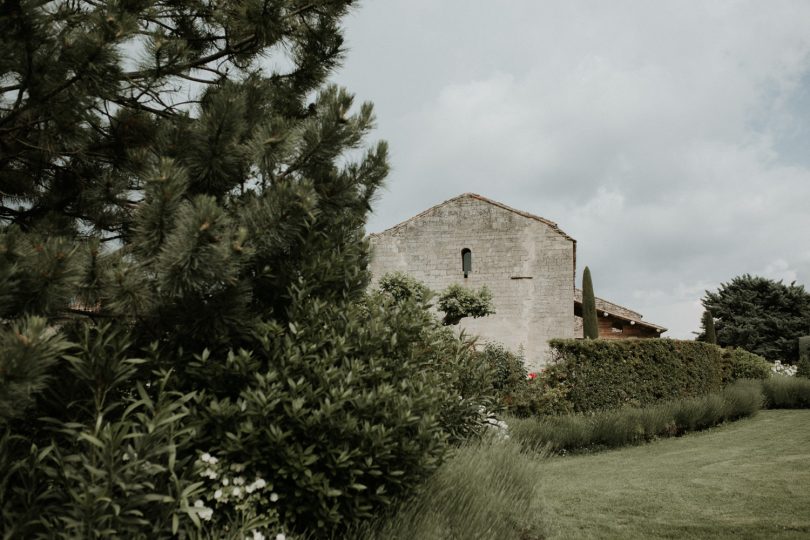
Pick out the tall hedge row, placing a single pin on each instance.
(604, 374)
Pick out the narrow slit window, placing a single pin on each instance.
(466, 261)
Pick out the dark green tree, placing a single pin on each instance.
(707, 322)
(183, 270)
(590, 323)
(760, 315)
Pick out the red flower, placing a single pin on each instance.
(532, 376)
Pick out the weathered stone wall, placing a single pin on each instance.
(527, 264)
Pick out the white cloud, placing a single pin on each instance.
(650, 131)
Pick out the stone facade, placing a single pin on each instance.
(527, 263)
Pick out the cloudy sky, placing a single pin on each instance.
(671, 139)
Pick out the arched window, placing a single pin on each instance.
(466, 261)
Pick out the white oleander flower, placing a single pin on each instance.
(218, 494)
(259, 483)
(205, 458)
(206, 513)
(198, 503)
(258, 535)
(237, 492)
(225, 481)
(273, 497)
(281, 536)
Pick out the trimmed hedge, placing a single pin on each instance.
(741, 364)
(596, 375)
(626, 426)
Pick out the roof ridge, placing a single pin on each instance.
(481, 198)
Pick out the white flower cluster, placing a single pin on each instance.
(230, 488)
(257, 535)
(498, 427)
(778, 368)
(203, 511)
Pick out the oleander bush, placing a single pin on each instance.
(509, 370)
(783, 392)
(595, 375)
(535, 397)
(631, 425)
(741, 364)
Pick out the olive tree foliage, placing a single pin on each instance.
(760, 315)
(456, 302)
(183, 271)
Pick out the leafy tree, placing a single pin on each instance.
(183, 270)
(401, 286)
(457, 302)
(760, 315)
(590, 323)
(709, 335)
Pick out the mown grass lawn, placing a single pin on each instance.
(746, 479)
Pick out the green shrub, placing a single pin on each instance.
(743, 398)
(620, 427)
(608, 374)
(804, 357)
(509, 370)
(787, 392)
(741, 364)
(535, 398)
(342, 413)
(118, 461)
(401, 286)
(464, 381)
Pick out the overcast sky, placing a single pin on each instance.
(671, 139)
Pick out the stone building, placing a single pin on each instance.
(527, 262)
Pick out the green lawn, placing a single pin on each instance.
(746, 479)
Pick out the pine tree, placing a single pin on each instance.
(708, 335)
(180, 224)
(590, 323)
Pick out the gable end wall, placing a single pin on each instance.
(504, 245)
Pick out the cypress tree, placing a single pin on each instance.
(709, 335)
(590, 323)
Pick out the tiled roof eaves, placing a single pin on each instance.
(609, 307)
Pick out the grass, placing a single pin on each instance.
(486, 491)
(747, 479)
